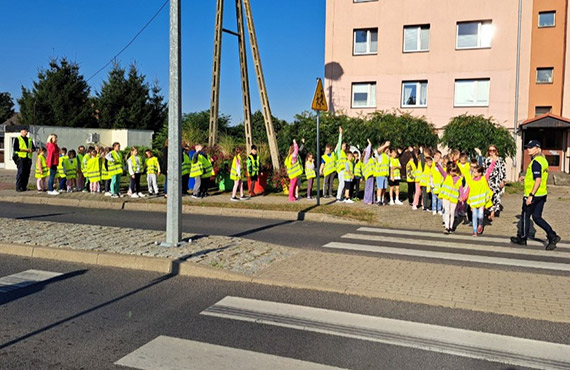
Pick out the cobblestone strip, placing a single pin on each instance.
(529, 295)
(228, 253)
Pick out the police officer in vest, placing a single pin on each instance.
(535, 193)
(24, 149)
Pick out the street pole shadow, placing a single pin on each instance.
(18, 293)
(262, 228)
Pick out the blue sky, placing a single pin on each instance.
(290, 37)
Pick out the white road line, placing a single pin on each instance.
(454, 236)
(25, 278)
(170, 353)
(451, 256)
(457, 245)
(459, 342)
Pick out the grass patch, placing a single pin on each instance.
(514, 188)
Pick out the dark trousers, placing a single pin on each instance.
(52, 173)
(411, 191)
(426, 198)
(107, 186)
(535, 210)
(135, 183)
(328, 185)
(204, 186)
(185, 179)
(62, 183)
(355, 187)
(23, 174)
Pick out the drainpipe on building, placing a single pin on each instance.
(517, 83)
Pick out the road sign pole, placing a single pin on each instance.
(174, 200)
(318, 159)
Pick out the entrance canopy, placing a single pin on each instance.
(547, 120)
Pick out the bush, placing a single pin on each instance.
(467, 132)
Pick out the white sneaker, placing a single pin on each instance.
(114, 196)
(141, 195)
(135, 195)
(234, 199)
(108, 194)
(391, 203)
(440, 213)
(414, 208)
(53, 192)
(434, 213)
(349, 201)
(398, 203)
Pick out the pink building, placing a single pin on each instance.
(443, 58)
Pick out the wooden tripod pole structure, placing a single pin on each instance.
(244, 78)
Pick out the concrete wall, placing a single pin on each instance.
(71, 138)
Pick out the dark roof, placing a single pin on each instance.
(547, 120)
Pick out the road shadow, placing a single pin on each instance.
(18, 293)
(261, 228)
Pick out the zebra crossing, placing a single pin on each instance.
(492, 250)
(24, 279)
(169, 353)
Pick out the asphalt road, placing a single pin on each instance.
(92, 317)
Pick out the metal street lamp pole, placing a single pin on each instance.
(174, 200)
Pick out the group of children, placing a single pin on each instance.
(448, 186)
(98, 169)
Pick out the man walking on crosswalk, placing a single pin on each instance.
(535, 192)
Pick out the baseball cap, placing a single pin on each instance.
(532, 144)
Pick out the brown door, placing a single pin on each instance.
(552, 141)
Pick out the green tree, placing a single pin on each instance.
(467, 132)
(126, 100)
(60, 97)
(402, 129)
(6, 106)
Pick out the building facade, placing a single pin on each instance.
(442, 58)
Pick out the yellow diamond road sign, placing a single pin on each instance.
(320, 100)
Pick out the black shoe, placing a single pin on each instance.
(552, 243)
(518, 240)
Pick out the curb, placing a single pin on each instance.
(186, 209)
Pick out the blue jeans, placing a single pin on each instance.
(478, 214)
(436, 204)
(52, 173)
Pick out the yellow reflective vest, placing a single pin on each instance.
(152, 165)
(436, 179)
(341, 161)
(480, 194)
(237, 171)
(382, 166)
(115, 167)
(24, 145)
(425, 177)
(42, 169)
(529, 178)
(294, 170)
(395, 167)
(93, 169)
(450, 190)
(330, 164)
(310, 170)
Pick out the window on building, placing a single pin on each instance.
(544, 75)
(539, 111)
(471, 35)
(414, 94)
(366, 41)
(472, 93)
(547, 19)
(416, 38)
(364, 95)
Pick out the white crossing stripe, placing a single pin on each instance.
(457, 245)
(453, 341)
(24, 279)
(170, 353)
(453, 236)
(451, 256)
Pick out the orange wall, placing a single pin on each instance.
(548, 48)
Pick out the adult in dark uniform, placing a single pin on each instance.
(535, 193)
(24, 149)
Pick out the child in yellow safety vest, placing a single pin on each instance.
(394, 181)
(418, 170)
(328, 170)
(294, 170)
(197, 170)
(93, 171)
(152, 172)
(62, 167)
(348, 177)
(436, 180)
(105, 175)
(71, 171)
(425, 179)
(358, 173)
(310, 173)
(135, 166)
(237, 174)
(42, 171)
(478, 195)
(450, 194)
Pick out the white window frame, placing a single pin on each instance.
(551, 75)
(368, 41)
(418, 94)
(418, 29)
(547, 12)
(480, 29)
(370, 88)
(475, 89)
